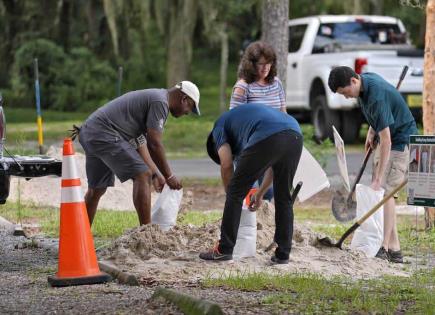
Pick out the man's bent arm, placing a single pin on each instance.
(157, 152)
(226, 159)
(145, 154)
(385, 149)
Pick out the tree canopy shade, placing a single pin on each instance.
(157, 42)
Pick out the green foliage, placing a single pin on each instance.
(68, 82)
(321, 152)
(83, 82)
(51, 58)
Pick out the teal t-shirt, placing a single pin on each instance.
(383, 106)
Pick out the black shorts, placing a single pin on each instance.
(109, 155)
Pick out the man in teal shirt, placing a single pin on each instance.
(390, 119)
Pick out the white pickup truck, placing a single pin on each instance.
(367, 44)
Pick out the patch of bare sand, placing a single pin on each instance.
(173, 256)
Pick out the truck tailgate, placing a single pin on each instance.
(389, 65)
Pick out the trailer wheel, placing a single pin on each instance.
(324, 118)
(4, 187)
(351, 124)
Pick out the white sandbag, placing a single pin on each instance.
(246, 244)
(165, 210)
(311, 174)
(368, 237)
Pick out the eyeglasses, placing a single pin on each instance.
(263, 64)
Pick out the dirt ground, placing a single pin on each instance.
(25, 266)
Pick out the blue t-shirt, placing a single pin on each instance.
(383, 106)
(246, 125)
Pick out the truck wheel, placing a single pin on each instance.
(324, 118)
(351, 125)
(4, 187)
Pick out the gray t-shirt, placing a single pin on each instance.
(132, 114)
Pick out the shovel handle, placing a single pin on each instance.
(296, 192)
(361, 171)
(380, 203)
(358, 223)
(402, 76)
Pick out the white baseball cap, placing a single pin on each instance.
(191, 90)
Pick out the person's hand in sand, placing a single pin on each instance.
(256, 201)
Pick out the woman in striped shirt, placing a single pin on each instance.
(257, 78)
(258, 83)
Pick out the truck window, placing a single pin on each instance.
(332, 36)
(296, 35)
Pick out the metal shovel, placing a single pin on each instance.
(326, 241)
(293, 197)
(344, 206)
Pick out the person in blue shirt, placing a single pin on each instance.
(391, 121)
(261, 138)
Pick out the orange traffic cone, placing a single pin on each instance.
(77, 259)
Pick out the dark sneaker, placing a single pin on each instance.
(382, 254)
(279, 261)
(395, 256)
(215, 255)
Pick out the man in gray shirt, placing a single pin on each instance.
(123, 138)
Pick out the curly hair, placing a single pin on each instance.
(253, 53)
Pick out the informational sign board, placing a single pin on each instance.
(341, 158)
(421, 171)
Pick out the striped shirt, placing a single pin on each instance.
(271, 95)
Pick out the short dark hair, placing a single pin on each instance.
(211, 149)
(253, 53)
(339, 77)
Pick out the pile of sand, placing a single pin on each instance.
(173, 256)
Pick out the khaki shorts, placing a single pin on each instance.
(396, 170)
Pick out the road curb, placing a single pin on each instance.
(122, 276)
(188, 304)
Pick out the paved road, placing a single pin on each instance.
(206, 168)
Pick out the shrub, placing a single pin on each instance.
(84, 83)
(50, 59)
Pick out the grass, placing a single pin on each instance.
(108, 224)
(199, 218)
(411, 233)
(314, 294)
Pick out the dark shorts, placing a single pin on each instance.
(109, 155)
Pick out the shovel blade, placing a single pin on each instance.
(326, 241)
(343, 208)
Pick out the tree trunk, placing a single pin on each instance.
(377, 7)
(275, 15)
(63, 23)
(182, 21)
(224, 68)
(110, 11)
(357, 7)
(429, 88)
